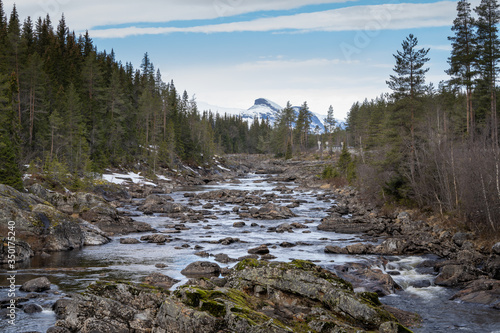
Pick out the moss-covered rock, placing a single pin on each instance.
(257, 297)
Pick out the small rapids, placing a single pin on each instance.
(73, 271)
(432, 303)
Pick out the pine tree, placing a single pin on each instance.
(302, 125)
(462, 57)
(409, 83)
(488, 45)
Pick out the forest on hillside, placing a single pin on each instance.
(68, 108)
(433, 147)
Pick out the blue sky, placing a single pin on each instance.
(228, 53)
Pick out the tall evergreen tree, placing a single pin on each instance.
(462, 57)
(409, 83)
(488, 45)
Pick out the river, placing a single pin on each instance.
(73, 271)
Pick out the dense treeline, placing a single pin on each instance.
(66, 105)
(438, 147)
(64, 102)
(69, 108)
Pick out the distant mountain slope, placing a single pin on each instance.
(265, 109)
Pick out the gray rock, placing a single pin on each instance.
(460, 237)
(129, 241)
(32, 308)
(456, 275)
(201, 269)
(495, 249)
(224, 258)
(482, 291)
(155, 238)
(160, 280)
(262, 249)
(36, 285)
(23, 251)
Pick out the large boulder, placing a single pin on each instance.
(36, 285)
(201, 269)
(456, 275)
(110, 307)
(483, 291)
(257, 297)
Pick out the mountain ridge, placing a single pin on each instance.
(265, 109)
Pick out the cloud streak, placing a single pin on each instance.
(355, 18)
(89, 14)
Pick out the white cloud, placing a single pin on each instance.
(371, 18)
(320, 82)
(88, 14)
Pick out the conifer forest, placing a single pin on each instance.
(68, 108)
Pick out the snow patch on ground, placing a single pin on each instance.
(120, 178)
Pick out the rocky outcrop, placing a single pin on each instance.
(50, 221)
(482, 291)
(110, 307)
(92, 208)
(256, 297)
(22, 253)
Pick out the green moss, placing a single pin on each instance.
(319, 272)
(303, 264)
(216, 309)
(371, 298)
(254, 263)
(402, 329)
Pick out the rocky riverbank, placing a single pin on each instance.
(48, 221)
(256, 296)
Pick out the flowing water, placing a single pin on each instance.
(73, 271)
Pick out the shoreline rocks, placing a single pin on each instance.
(256, 296)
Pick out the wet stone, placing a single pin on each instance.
(32, 308)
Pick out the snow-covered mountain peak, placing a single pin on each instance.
(264, 102)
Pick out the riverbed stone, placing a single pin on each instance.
(201, 269)
(32, 308)
(262, 249)
(36, 285)
(129, 241)
(272, 211)
(366, 278)
(256, 297)
(155, 238)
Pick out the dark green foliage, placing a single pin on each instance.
(9, 147)
(68, 103)
(488, 56)
(463, 54)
